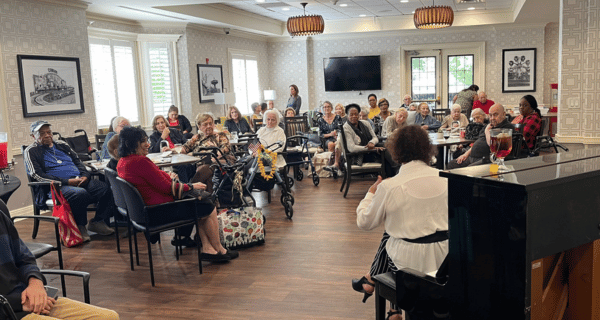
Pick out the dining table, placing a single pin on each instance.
(164, 159)
(442, 144)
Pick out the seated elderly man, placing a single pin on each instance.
(480, 152)
(22, 284)
(49, 160)
(483, 103)
(407, 101)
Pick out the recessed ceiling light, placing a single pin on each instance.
(413, 12)
(286, 9)
(362, 15)
(343, 5)
(471, 8)
(404, 1)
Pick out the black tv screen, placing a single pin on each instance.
(352, 73)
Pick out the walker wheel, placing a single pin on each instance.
(299, 174)
(289, 209)
(316, 180)
(290, 182)
(287, 197)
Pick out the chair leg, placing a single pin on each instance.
(129, 233)
(344, 181)
(36, 222)
(379, 305)
(137, 253)
(349, 177)
(176, 246)
(199, 247)
(60, 263)
(150, 258)
(117, 234)
(269, 196)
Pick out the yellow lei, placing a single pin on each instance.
(261, 166)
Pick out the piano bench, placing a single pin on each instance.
(385, 289)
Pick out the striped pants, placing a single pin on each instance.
(382, 262)
(67, 309)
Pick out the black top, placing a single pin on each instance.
(184, 123)
(155, 139)
(480, 148)
(241, 127)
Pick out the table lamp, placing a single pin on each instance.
(225, 98)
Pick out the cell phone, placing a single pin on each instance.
(52, 292)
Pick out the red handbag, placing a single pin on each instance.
(67, 228)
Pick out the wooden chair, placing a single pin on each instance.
(351, 169)
(151, 220)
(257, 123)
(440, 114)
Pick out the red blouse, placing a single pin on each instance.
(153, 184)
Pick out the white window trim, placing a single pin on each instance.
(230, 53)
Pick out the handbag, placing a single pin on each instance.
(178, 193)
(242, 227)
(70, 235)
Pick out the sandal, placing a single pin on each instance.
(357, 285)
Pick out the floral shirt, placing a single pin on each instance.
(219, 140)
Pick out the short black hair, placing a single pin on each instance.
(410, 143)
(352, 105)
(129, 139)
(473, 87)
(372, 95)
(263, 106)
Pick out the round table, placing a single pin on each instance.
(6, 190)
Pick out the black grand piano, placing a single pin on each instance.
(523, 244)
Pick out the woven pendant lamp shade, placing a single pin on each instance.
(305, 25)
(434, 17)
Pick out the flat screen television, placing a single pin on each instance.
(359, 73)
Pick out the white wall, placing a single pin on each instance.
(293, 61)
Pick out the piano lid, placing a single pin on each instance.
(536, 171)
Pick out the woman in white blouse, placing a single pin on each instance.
(413, 207)
(271, 134)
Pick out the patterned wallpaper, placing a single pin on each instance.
(39, 28)
(551, 60)
(287, 61)
(288, 64)
(579, 118)
(202, 45)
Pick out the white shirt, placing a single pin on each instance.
(268, 136)
(411, 205)
(353, 140)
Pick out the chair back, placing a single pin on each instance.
(134, 201)
(80, 144)
(100, 138)
(293, 125)
(118, 194)
(257, 123)
(440, 114)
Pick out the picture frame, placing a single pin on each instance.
(210, 81)
(519, 68)
(50, 85)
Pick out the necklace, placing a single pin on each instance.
(54, 156)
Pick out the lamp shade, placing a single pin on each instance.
(225, 98)
(434, 17)
(270, 95)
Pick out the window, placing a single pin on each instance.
(113, 78)
(244, 74)
(460, 74)
(159, 78)
(423, 78)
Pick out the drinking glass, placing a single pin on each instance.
(500, 146)
(446, 134)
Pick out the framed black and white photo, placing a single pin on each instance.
(210, 81)
(518, 70)
(50, 85)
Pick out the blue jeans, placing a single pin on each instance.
(94, 192)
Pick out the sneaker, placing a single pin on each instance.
(84, 234)
(100, 228)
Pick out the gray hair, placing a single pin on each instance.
(254, 106)
(403, 110)
(118, 120)
(477, 111)
(272, 111)
(456, 106)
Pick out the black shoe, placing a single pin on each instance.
(186, 242)
(214, 257)
(357, 285)
(232, 254)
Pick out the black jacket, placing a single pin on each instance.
(33, 156)
(155, 139)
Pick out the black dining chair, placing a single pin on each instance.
(152, 220)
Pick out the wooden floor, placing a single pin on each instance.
(303, 271)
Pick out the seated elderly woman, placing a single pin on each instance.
(272, 133)
(359, 134)
(456, 120)
(162, 132)
(117, 124)
(472, 131)
(180, 121)
(425, 120)
(384, 106)
(339, 111)
(530, 120)
(257, 113)
(154, 186)
(328, 125)
(395, 122)
(113, 150)
(364, 115)
(236, 122)
(289, 112)
(208, 137)
(413, 207)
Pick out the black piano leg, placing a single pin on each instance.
(379, 304)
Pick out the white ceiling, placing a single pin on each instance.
(269, 17)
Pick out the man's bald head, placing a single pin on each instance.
(496, 114)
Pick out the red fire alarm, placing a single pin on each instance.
(206, 60)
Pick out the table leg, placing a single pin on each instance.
(445, 155)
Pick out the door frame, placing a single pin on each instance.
(478, 47)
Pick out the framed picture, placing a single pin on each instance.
(210, 81)
(50, 85)
(518, 70)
